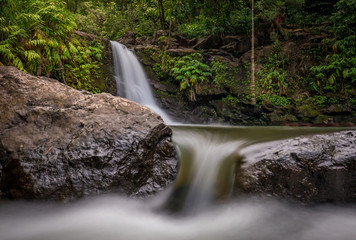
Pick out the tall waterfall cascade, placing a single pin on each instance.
(131, 80)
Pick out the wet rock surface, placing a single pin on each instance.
(59, 143)
(320, 168)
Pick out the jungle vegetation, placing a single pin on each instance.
(38, 36)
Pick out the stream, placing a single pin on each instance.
(207, 155)
(198, 205)
(112, 217)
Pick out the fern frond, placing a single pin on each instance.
(31, 55)
(18, 63)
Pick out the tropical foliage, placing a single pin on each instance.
(273, 78)
(37, 37)
(191, 72)
(337, 71)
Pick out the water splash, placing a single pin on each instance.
(131, 80)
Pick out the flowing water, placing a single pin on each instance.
(207, 157)
(114, 218)
(189, 208)
(131, 80)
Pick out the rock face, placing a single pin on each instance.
(229, 102)
(59, 143)
(321, 168)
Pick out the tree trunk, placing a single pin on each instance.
(170, 25)
(161, 14)
(253, 86)
(132, 20)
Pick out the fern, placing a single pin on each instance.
(191, 72)
(31, 55)
(39, 40)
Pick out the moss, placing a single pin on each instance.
(278, 117)
(226, 76)
(101, 84)
(321, 119)
(275, 100)
(308, 111)
(207, 113)
(145, 55)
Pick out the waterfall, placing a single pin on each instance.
(210, 156)
(207, 163)
(131, 80)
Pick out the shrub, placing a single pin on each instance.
(190, 71)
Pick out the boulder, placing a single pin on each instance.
(180, 52)
(62, 144)
(237, 45)
(184, 42)
(159, 37)
(338, 109)
(128, 39)
(316, 169)
(208, 42)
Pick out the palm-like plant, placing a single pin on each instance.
(39, 39)
(191, 72)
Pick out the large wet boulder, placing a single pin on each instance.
(60, 143)
(320, 168)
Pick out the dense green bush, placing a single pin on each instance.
(225, 77)
(191, 72)
(38, 36)
(275, 100)
(163, 66)
(337, 72)
(39, 39)
(273, 78)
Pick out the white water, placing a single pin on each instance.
(208, 156)
(131, 80)
(202, 154)
(114, 218)
(203, 150)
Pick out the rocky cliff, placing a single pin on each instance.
(60, 143)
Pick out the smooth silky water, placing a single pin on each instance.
(190, 208)
(197, 205)
(131, 80)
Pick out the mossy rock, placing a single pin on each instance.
(277, 118)
(209, 89)
(321, 119)
(206, 112)
(308, 111)
(148, 55)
